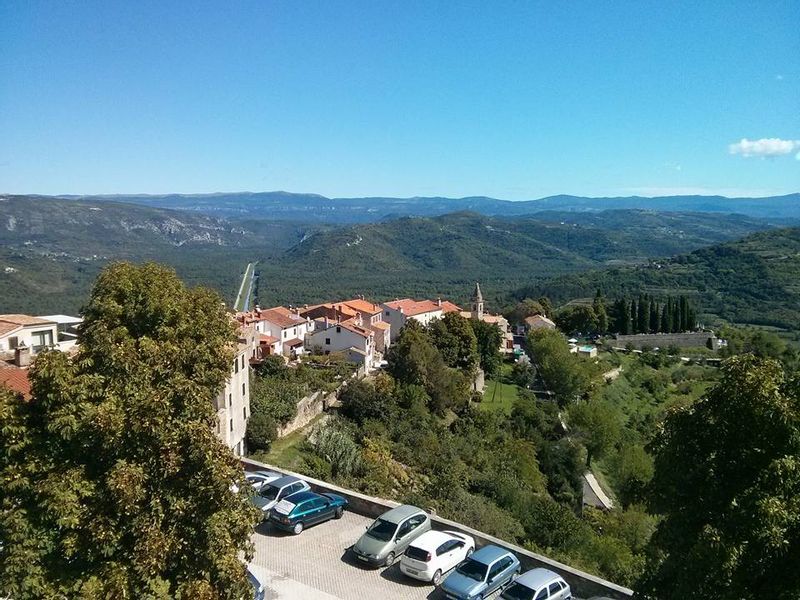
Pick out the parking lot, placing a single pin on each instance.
(316, 566)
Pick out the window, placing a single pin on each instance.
(243, 361)
(244, 413)
(41, 339)
(338, 329)
(317, 503)
(327, 341)
(554, 588)
(542, 595)
(230, 400)
(445, 548)
(236, 366)
(13, 342)
(294, 331)
(387, 313)
(231, 424)
(243, 391)
(285, 333)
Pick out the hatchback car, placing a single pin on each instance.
(538, 584)
(482, 574)
(434, 553)
(275, 491)
(298, 511)
(390, 534)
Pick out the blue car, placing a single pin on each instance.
(302, 509)
(482, 574)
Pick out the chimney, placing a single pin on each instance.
(22, 356)
(439, 301)
(326, 321)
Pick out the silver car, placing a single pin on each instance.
(390, 535)
(538, 584)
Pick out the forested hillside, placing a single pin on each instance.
(753, 280)
(51, 250)
(442, 255)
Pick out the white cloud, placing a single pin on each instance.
(764, 147)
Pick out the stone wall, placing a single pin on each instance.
(694, 339)
(582, 584)
(308, 409)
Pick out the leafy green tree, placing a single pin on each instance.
(114, 482)
(523, 310)
(564, 373)
(489, 338)
(578, 318)
(362, 401)
(454, 338)
(600, 311)
(262, 430)
(727, 480)
(598, 425)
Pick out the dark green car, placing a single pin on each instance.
(303, 509)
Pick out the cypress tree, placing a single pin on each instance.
(634, 316)
(654, 316)
(676, 316)
(665, 324)
(643, 316)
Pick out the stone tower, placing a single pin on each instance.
(477, 303)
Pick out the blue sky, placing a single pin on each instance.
(514, 100)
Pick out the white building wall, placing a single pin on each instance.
(31, 336)
(233, 404)
(340, 339)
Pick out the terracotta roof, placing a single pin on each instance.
(411, 307)
(7, 327)
(15, 379)
(330, 310)
(380, 325)
(282, 317)
(351, 326)
(267, 339)
(363, 306)
(293, 342)
(24, 320)
(539, 319)
(448, 307)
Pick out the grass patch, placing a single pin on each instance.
(288, 452)
(500, 394)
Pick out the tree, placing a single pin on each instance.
(361, 401)
(489, 338)
(643, 315)
(114, 482)
(526, 308)
(564, 373)
(599, 307)
(454, 338)
(726, 480)
(261, 431)
(598, 425)
(578, 318)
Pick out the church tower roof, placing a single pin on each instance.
(477, 296)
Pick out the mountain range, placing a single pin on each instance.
(316, 208)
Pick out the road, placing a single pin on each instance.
(315, 566)
(243, 299)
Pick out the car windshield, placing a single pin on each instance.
(270, 492)
(382, 530)
(517, 591)
(472, 569)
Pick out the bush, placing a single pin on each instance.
(261, 431)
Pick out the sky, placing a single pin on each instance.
(514, 100)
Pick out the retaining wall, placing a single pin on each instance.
(582, 584)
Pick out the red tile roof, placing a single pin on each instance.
(363, 306)
(282, 317)
(15, 379)
(448, 306)
(411, 307)
(24, 319)
(267, 339)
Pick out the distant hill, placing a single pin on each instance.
(51, 250)
(442, 255)
(316, 208)
(754, 280)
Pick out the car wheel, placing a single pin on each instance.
(339, 512)
(470, 551)
(437, 577)
(389, 560)
(298, 528)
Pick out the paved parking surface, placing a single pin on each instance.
(315, 566)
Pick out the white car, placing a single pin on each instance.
(257, 479)
(434, 553)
